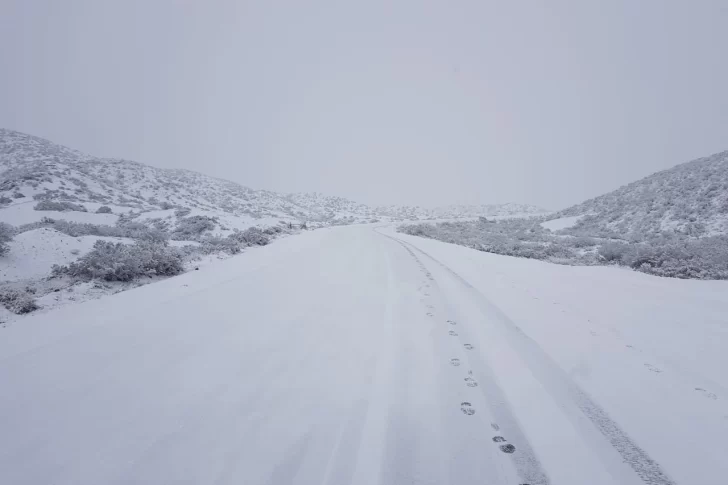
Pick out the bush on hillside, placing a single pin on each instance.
(104, 209)
(6, 235)
(138, 230)
(613, 251)
(17, 301)
(673, 255)
(62, 206)
(191, 228)
(131, 230)
(122, 262)
(251, 236)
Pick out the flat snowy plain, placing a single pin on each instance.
(356, 355)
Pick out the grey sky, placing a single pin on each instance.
(410, 101)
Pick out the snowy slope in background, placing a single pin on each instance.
(691, 199)
(31, 166)
(344, 356)
(37, 167)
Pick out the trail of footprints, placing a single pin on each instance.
(467, 407)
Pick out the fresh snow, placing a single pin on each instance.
(327, 358)
(561, 223)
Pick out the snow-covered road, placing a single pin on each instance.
(356, 355)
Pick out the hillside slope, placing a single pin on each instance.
(32, 168)
(41, 170)
(689, 199)
(673, 223)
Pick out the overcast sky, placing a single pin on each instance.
(410, 101)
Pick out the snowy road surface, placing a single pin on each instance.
(356, 355)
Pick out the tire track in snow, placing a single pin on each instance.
(526, 463)
(553, 377)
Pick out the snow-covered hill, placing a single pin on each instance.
(32, 169)
(673, 223)
(689, 199)
(36, 169)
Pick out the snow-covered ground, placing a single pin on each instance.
(24, 213)
(359, 355)
(561, 223)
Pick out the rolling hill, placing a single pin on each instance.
(689, 199)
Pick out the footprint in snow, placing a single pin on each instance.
(707, 394)
(455, 362)
(499, 439)
(453, 333)
(470, 382)
(468, 347)
(451, 322)
(653, 368)
(429, 314)
(509, 448)
(467, 408)
(494, 426)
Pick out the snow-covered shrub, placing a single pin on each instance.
(182, 212)
(158, 223)
(123, 262)
(582, 242)
(6, 235)
(613, 252)
(665, 254)
(215, 244)
(251, 236)
(703, 258)
(18, 195)
(166, 205)
(16, 176)
(52, 205)
(133, 230)
(17, 300)
(191, 228)
(104, 209)
(5, 200)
